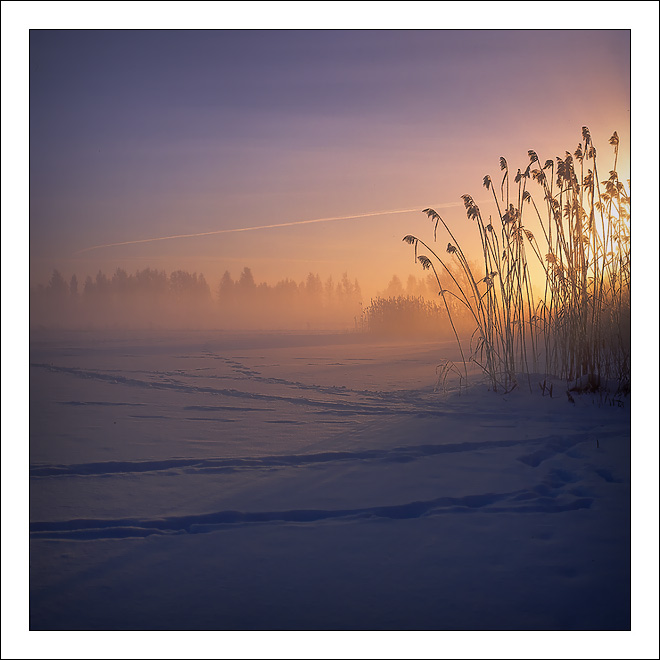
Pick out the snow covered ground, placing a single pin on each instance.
(204, 481)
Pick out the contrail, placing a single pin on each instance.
(281, 224)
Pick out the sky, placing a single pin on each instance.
(141, 134)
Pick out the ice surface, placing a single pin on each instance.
(285, 482)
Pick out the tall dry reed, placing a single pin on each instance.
(572, 322)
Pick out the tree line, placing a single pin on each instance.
(149, 281)
(152, 298)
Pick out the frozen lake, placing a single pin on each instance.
(204, 481)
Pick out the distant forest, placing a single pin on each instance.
(151, 298)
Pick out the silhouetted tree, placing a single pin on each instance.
(246, 281)
(120, 282)
(357, 292)
(152, 281)
(57, 287)
(394, 288)
(313, 286)
(185, 285)
(102, 286)
(203, 288)
(329, 289)
(88, 287)
(225, 288)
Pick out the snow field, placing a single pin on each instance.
(316, 483)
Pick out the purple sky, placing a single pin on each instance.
(142, 134)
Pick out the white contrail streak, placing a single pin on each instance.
(281, 224)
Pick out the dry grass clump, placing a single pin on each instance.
(574, 321)
(403, 316)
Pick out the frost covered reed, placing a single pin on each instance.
(573, 320)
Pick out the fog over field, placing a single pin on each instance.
(151, 299)
(155, 299)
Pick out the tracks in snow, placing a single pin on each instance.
(551, 445)
(394, 403)
(552, 495)
(521, 501)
